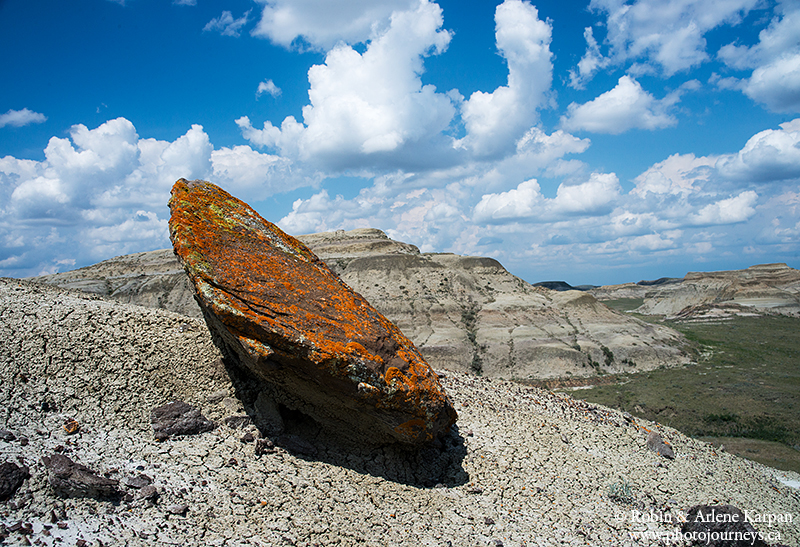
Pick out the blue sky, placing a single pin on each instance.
(596, 142)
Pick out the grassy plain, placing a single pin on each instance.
(743, 392)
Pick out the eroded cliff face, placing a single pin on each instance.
(463, 313)
(154, 279)
(764, 288)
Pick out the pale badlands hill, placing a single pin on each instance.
(757, 290)
(464, 313)
(524, 466)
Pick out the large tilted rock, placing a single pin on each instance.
(322, 347)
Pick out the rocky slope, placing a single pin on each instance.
(464, 313)
(764, 288)
(153, 279)
(524, 466)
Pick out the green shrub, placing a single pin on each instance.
(620, 492)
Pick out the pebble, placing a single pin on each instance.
(148, 492)
(657, 445)
(177, 509)
(137, 481)
(7, 436)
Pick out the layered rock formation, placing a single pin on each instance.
(630, 290)
(154, 279)
(287, 317)
(470, 314)
(764, 288)
(463, 313)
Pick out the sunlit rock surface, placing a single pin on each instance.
(293, 322)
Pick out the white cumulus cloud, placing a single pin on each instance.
(665, 36)
(525, 203)
(627, 106)
(269, 87)
(372, 104)
(727, 211)
(521, 202)
(770, 155)
(680, 174)
(322, 24)
(494, 121)
(103, 192)
(595, 196)
(19, 118)
(777, 84)
(775, 61)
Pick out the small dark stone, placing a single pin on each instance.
(71, 426)
(178, 418)
(148, 492)
(80, 543)
(232, 462)
(62, 525)
(264, 446)
(488, 521)
(23, 441)
(11, 478)
(657, 445)
(723, 522)
(235, 422)
(139, 481)
(247, 438)
(75, 480)
(7, 436)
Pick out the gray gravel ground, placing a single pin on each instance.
(524, 466)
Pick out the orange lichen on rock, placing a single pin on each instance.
(291, 320)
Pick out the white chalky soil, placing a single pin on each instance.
(525, 466)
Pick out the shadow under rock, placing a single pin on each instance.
(437, 463)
